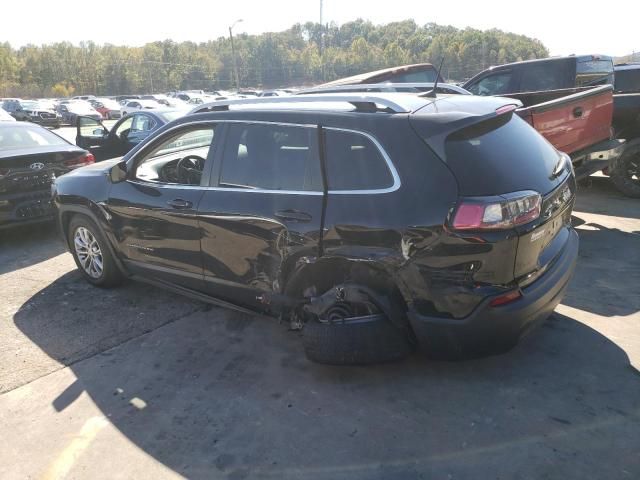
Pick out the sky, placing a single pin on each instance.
(564, 26)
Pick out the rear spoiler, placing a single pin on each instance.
(436, 127)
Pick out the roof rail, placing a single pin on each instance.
(415, 87)
(362, 103)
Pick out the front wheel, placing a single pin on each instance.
(91, 253)
(626, 175)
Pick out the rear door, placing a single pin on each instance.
(263, 211)
(153, 212)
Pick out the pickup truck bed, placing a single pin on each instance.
(576, 121)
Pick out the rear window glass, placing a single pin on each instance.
(354, 162)
(628, 80)
(427, 76)
(499, 156)
(594, 72)
(15, 137)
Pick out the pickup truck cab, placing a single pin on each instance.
(569, 100)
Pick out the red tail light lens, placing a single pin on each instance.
(80, 161)
(497, 213)
(506, 298)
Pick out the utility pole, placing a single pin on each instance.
(320, 47)
(233, 53)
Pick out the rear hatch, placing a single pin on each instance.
(495, 156)
(35, 168)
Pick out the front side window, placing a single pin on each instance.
(123, 129)
(496, 84)
(271, 157)
(354, 162)
(179, 158)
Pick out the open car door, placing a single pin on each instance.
(92, 135)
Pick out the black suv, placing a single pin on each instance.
(372, 223)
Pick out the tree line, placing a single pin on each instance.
(304, 54)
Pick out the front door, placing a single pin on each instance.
(263, 211)
(154, 211)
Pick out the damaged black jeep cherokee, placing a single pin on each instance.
(375, 224)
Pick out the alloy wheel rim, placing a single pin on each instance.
(88, 252)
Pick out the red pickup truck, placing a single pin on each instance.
(569, 100)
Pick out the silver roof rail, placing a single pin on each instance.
(416, 87)
(390, 103)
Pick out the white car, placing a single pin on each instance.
(5, 117)
(135, 105)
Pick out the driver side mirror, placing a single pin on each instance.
(118, 172)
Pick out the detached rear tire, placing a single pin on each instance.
(627, 168)
(92, 254)
(355, 342)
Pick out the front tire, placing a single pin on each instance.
(91, 253)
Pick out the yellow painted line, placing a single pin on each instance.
(62, 465)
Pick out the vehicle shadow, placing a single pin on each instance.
(598, 195)
(608, 271)
(217, 394)
(23, 246)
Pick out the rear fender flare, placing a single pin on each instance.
(316, 278)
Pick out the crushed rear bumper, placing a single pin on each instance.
(489, 330)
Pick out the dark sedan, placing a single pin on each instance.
(37, 112)
(128, 132)
(30, 158)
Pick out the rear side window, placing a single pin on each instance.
(426, 76)
(271, 157)
(628, 80)
(495, 84)
(594, 72)
(354, 162)
(544, 76)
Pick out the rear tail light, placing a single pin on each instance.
(80, 161)
(497, 213)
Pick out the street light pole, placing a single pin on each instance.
(233, 53)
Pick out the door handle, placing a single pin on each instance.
(577, 112)
(293, 216)
(180, 204)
